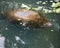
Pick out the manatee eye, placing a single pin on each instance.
(21, 23)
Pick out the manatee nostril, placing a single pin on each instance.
(48, 24)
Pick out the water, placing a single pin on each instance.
(15, 36)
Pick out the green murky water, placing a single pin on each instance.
(14, 36)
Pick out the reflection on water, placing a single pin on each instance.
(2, 41)
(15, 36)
(18, 39)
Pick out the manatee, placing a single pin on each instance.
(27, 17)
